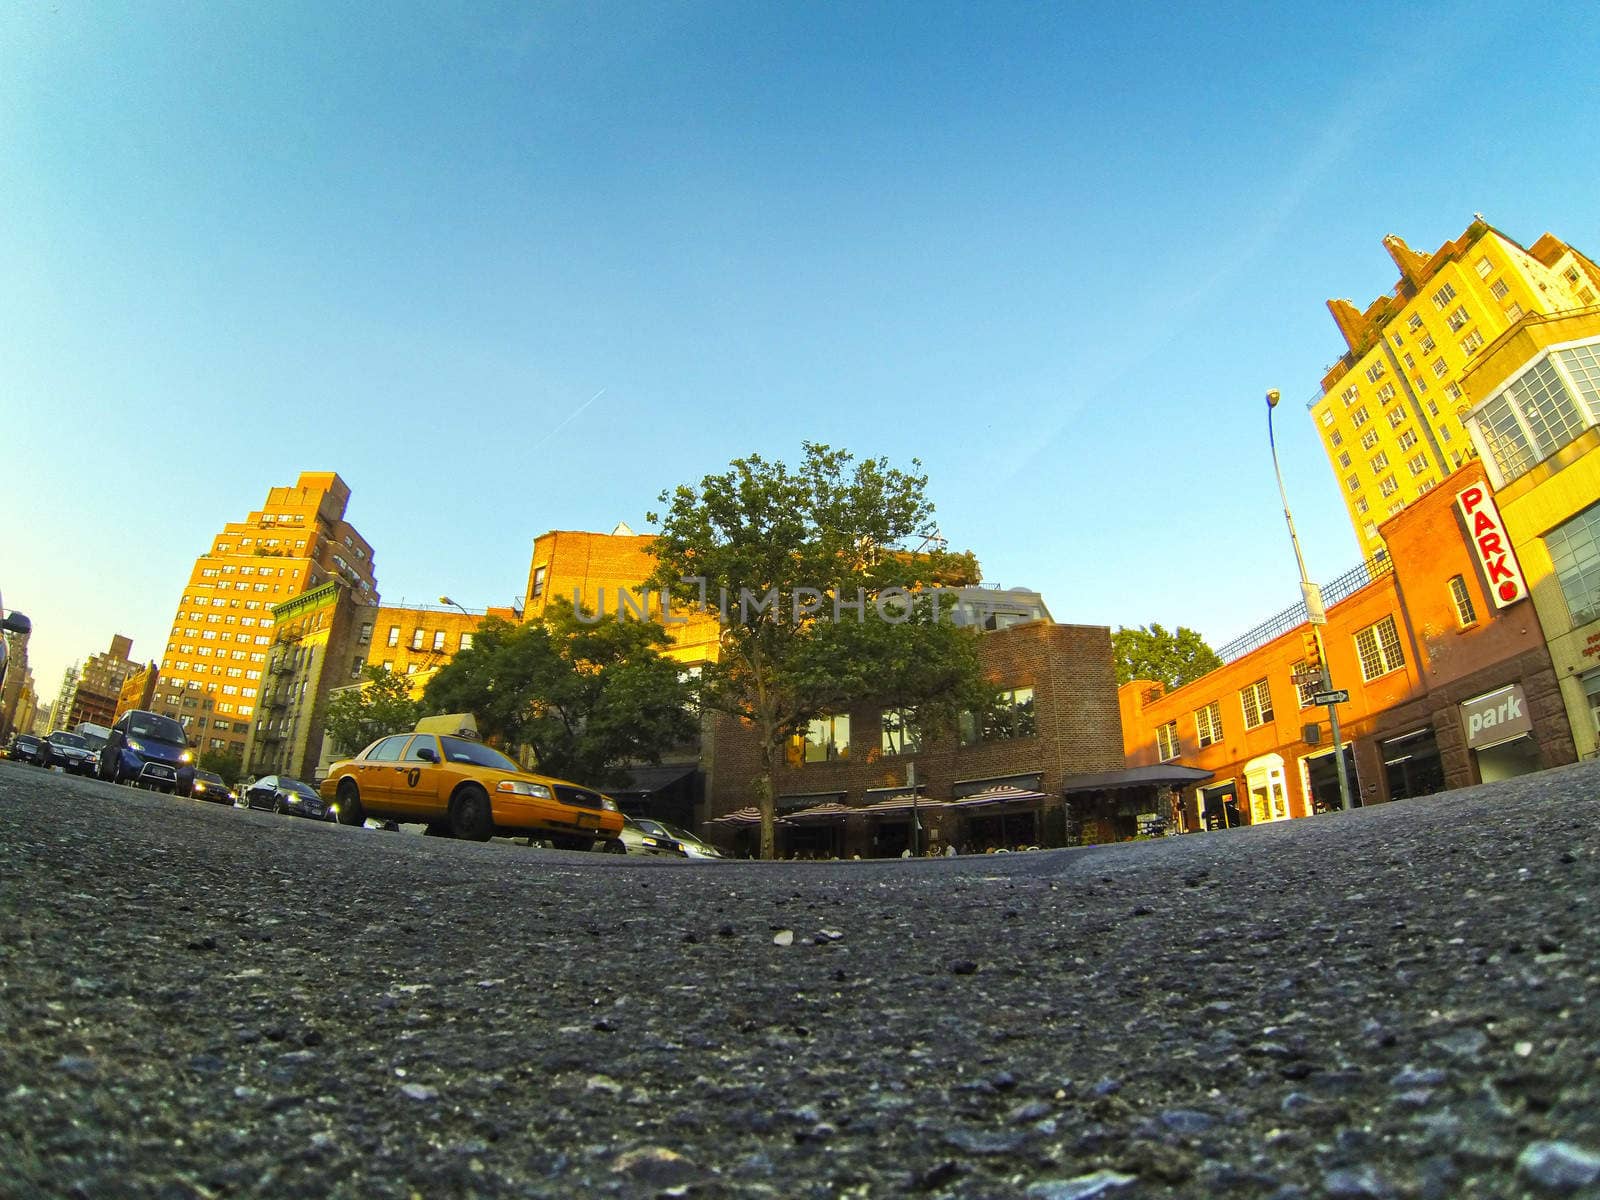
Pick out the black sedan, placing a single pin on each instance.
(27, 748)
(208, 785)
(69, 751)
(284, 794)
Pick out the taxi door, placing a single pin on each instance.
(375, 774)
(420, 778)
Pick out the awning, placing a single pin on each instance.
(750, 815)
(998, 795)
(1167, 775)
(821, 813)
(647, 781)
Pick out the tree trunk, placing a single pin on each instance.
(767, 798)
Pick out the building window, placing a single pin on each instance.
(1380, 462)
(1369, 439)
(1443, 296)
(366, 632)
(1514, 311)
(1440, 368)
(538, 583)
(1327, 417)
(1472, 343)
(1336, 438)
(1257, 702)
(1305, 690)
(438, 639)
(1484, 267)
(1167, 741)
(1408, 438)
(1358, 418)
(1376, 371)
(1498, 289)
(1413, 322)
(1387, 393)
(1453, 390)
(411, 668)
(1208, 724)
(1344, 459)
(900, 732)
(1575, 554)
(1458, 318)
(466, 641)
(1012, 717)
(416, 639)
(1353, 482)
(827, 739)
(1349, 395)
(1428, 345)
(1378, 646)
(1397, 417)
(1361, 504)
(1459, 596)
(1388, 487)
(1530, 419)
(1419, 464)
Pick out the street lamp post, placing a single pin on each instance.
(1314, 610)
(453, 604)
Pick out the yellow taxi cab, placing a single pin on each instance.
(458, 786)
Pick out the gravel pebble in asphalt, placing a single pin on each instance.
(1403, 1001)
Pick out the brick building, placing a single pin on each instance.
(319, 642)
(847, 784)
(1446, 687)
(416, 640)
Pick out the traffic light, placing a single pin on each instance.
(1311, 647)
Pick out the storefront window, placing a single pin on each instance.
(1412, 764)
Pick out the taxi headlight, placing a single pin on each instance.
(524, 787)
(607, 803)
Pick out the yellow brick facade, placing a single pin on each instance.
(1390, 412)
(1538, 500)
(216, 654)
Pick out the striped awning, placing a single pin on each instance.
(749, 815)
(821, 813)
(998, 795)
(895, 805)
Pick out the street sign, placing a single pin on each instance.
(1339, 697)
(1305, 678)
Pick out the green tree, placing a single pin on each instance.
(828, 531)
(360, 715)
(1152, 653)
(227, 763)
(587, 695)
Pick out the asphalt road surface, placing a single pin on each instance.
(198, 1001)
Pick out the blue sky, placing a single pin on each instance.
(1058, 253)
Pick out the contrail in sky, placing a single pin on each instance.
(570, 417)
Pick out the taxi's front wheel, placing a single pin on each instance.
(350, 810)
(471, 819)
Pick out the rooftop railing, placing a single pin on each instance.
(1342, 588)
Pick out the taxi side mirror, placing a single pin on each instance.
(426, 755)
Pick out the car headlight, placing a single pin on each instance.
(524, 787)
(607, 803)
(292, 798)
(186, 756)
(136, 746)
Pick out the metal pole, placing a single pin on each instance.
(1307, 589)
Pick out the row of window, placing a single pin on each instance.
(1542, 409)
(420, 639)
(827, 739)
(1377, 647)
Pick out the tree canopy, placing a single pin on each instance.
(1150, 652)
(585, 695)
(358, 716)
(814, 573)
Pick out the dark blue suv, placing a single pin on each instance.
(150, 750)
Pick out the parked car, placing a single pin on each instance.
(11, 623)
(690, 846)
(69, 751)
(208, 785)
(285, 794)
(634, 840)
(149, 750)
(27, 748)
(462, 788)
